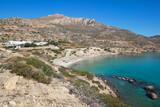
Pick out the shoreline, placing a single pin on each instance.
(68, 61)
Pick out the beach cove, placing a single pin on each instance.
(141, 67)
(145, 67)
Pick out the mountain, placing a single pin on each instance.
(81, 31)
(156, 39)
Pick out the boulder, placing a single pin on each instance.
(11, 83)
(149, 88)
(12, 103)
(152, 95)
(132, 81)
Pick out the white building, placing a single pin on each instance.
(17, 43)
(40, 43)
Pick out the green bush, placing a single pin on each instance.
(91, 93)
(29, 72)
(30, 45)
(40, 65)
(40, 77)
(66, 74)
(83, 73)
(57, 51)
(52, 42)
(79, 83)
(111, 101)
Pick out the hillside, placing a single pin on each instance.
(29, 79)
(156, 39)
(80, 31)
(35, 55)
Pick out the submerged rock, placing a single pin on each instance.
(152, 95)
(151, 91)
(149, 88)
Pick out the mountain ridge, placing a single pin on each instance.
(82, 31)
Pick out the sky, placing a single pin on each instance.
(139, 16)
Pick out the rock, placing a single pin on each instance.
(11, 83)
(12, 103)
(94, 105)
(132, 81)
(149, 88)
(64, 20)
(152, 95)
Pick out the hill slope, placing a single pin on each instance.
(82, 31)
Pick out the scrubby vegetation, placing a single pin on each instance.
(34, 68)
(28, 72)
(98, 83)
(83, 73)
(58, 42)
(31, 68)
(53, 42)
(47, 70)
(30, 45)
(91, 94)
(57, 51)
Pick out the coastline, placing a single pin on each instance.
(71, 60)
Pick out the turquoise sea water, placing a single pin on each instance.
(144, 67)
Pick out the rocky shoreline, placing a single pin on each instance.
(24, 82)
(73, 56)
(151, 90)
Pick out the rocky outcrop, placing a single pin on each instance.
(29, 93)
(64, 20)
(151, 91)
(11, 83)
(152, 95)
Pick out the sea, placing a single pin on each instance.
(144, 67)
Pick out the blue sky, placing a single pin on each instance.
(140, 16)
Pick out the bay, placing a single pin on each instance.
(144, 67)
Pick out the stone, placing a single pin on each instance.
(64, 20)
(152, 95)
(149, 88)
(94, 105)
(12, 103)
(11, 83)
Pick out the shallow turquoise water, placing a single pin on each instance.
(143, 67)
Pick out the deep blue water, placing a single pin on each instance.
(144, 67)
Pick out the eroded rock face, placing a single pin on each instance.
(64, 20)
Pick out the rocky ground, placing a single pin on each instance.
(17, 91)
(29, 79)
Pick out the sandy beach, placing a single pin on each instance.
(79, 55)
